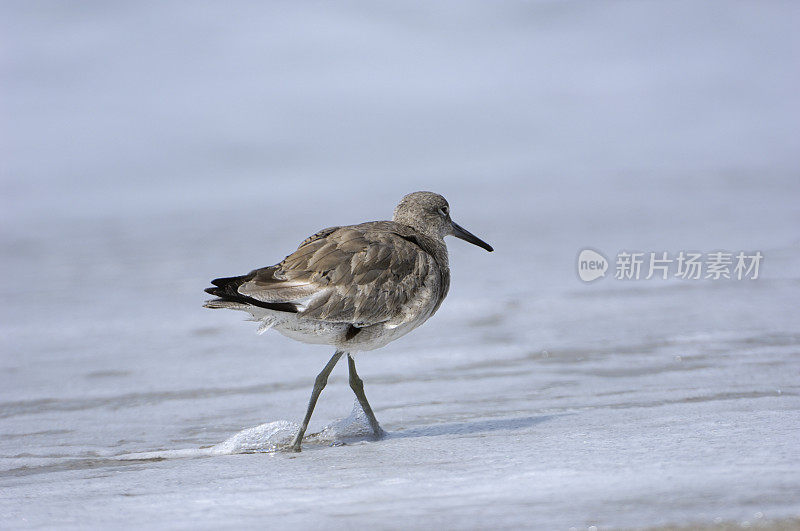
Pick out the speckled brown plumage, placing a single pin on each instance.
(361, 274)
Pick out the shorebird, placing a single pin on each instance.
(356, 287)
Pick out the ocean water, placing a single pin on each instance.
(145, 149)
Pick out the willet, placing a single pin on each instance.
(356, 288)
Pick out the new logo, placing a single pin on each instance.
(591, 265)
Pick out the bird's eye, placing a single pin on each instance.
(444, 211)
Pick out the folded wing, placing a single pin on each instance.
(359, 275)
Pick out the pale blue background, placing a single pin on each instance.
(147, 147)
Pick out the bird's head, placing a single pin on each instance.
(429, 213)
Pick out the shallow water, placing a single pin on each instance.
(153, 149)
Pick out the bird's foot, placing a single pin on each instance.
(294, 446)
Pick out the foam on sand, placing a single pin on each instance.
(271, 437)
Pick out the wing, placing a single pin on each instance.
(348, 274)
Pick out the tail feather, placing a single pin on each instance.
(227, 291)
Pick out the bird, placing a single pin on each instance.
(355, 287)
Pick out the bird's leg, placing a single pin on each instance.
(357, 384)
(319, 385)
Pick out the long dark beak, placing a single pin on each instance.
(462, 233)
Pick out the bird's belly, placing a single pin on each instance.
(335, 334)
(310, 331)
(377, 336)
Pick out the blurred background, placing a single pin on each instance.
(148, 147)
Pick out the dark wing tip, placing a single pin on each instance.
(222, 282)
(226, 290)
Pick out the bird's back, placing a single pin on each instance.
(363, 282)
